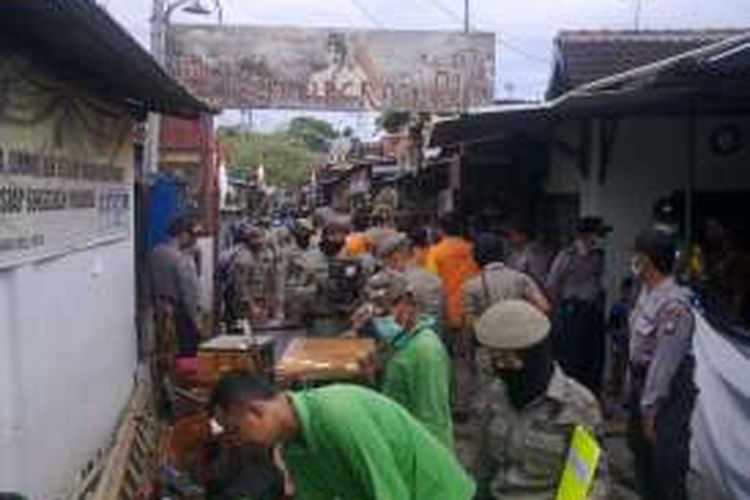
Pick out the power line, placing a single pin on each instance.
(366, 12)
(446, 10)
(522, 52)
(438, 4)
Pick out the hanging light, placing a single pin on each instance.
(197, 7)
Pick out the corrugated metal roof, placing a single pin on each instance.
(585, 56)
(79, 41)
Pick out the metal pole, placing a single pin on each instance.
(151, 152)
(637, 20)
(467, 16)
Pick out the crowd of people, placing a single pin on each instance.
(490, 331)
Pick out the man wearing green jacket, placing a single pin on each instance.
(341, 441)
(417, 374)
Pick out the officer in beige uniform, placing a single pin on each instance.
(575, 287)
(497, 282)
(527, 409)
(662, 392)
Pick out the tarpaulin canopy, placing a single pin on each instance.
(720, 442)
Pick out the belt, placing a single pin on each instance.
(639, 370)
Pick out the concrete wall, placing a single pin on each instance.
(67, 315)
(649, 160)
(67, 355)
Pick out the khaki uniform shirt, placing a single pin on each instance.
(661, 326)
(576, 274)
(531, 259)
(521, 454)
(495, 283)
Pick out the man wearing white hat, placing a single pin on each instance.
(528, 408)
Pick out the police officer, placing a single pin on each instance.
(524, 254)
(251, 275)
(527, 409)
(497, 281)
(575, 286)
(661, 363)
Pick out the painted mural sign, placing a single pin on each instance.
(64, 176)
(335, 69)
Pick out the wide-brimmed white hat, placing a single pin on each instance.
(511, 324)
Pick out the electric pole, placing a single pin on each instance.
(637, 14)
(467, 17)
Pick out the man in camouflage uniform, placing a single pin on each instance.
(662, 392)
(251, 275)
(394, 254)
(527, 409)
(333, 282)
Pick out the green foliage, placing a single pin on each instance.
(316, 134)
(287, 160)
(393, 121)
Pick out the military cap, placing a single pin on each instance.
(391, 243)
(252, 233)
(385, 288)
(511, 324)
(591, 224)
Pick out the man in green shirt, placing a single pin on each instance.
(341, 441)
(417, 373)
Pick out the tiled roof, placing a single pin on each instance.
(585, 56)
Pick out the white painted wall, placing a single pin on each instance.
(650, 160)
(67, 358)
(67, 323)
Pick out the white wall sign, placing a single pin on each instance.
(64, 176)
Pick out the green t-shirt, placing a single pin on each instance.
(356, 444)
(418, 377)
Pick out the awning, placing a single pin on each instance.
(79, 41)
(489, 125)
(711, 79)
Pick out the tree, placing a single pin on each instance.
(287, 160)
(394, 121)
(316, 134)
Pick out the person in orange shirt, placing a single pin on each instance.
(357, 242)
(420, 248)
(453, 260)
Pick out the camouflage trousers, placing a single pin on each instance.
(461, 347)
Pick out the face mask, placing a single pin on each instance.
(525, 385)
(386, 328)
(636, 266)
(330, 248)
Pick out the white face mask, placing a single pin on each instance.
(636, 266)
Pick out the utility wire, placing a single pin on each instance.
(438, 4)
(366, 12)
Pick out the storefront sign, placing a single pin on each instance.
(64, 176)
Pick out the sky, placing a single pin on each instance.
(525, 28)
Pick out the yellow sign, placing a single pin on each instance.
(580, 466)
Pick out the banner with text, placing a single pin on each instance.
(333, 69)
(65, 180)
